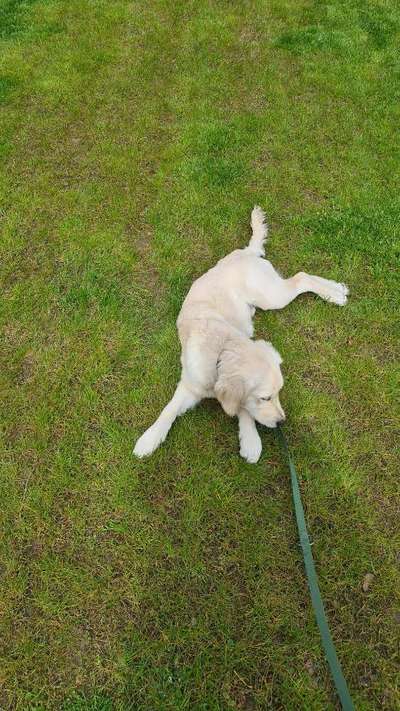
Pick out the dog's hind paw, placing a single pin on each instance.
(339, 294)
(333, 292)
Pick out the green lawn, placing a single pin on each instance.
(135, 138)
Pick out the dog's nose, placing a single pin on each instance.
(281, 419)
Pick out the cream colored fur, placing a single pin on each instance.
(219, 358)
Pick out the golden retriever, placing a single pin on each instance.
(219, 358)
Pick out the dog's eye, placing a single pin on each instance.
(265, 399)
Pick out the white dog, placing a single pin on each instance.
(219, 358)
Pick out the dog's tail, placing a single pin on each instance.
(260, 231)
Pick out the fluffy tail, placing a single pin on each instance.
(260, 231)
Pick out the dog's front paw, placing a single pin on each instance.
(148, 442)
(251, 448)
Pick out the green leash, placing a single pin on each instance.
(318, 605)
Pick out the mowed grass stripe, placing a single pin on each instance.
(77, 312)
(295, 137)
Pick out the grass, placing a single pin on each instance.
(135, 138)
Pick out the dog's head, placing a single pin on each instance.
(249, 377)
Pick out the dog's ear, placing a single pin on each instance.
(230, 392)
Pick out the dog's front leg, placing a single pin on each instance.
(250, 442)
(182, 401)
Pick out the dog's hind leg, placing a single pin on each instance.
(325, 288)
(266, 289)
(182, 401)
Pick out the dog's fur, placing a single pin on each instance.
(219, 358)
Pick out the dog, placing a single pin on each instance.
(219, 358)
